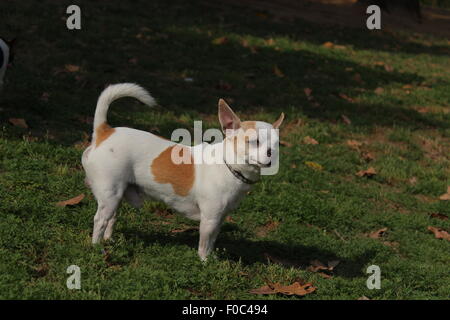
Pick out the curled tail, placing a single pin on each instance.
(114, 92)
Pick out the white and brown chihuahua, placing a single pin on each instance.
(128, 163)
(6, 57)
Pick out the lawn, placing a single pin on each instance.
(376, 100)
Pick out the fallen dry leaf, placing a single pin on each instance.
(270, 42)
(367, 156)
(367, 173)
(44, 97)
(317, 265)
(278, 72)
(354, 144)
(446, 196)
(71, 202)
(229, 219)
(285, 143)
(18, 122)
(363, 298)
(185, 229)
(388, 68)
(314, 165)
(439, 216)
(346, 119)
(308, 91)
(294, 289)
(71, 68)
(220, 40)
(328, 44)
(268, 227)
(440, 233)
(377, 234)
(379, 91)
(309, 140)
(346, 98)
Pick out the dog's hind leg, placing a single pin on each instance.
(108, 201)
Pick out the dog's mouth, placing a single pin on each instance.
(264, 165)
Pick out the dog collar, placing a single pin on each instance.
(239, 175)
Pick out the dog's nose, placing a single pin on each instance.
(269, 152)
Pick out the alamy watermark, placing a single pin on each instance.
(258, 147)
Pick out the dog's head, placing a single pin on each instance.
(251, 142)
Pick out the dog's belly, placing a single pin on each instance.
(186, 206)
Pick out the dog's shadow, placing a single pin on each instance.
(249, 252)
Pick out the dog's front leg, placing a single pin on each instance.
(209, 229)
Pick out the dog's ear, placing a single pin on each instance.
(228, 119)
(278, 123)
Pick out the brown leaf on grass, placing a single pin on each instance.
(18, 122)
(440, 233)
(354, 144)
(367, 156)
(346, 98)
(377, 234)
(407, 86)
(328, 44)
(309, 140)
(285, 143)
(379, 91)
(71, 68)
(446, 196)
(71, 202)
(229, 219)
(270, 42)
(346, 119)
(367, 173)
(185, 229)
(388, 68)
(363, 298)
(265, 229)
(294, 289)
(439, 216)
(220, 40)
(413, 181)
(44, 97)
(278, 72)
(317, 265)
(314, 165)
(308, 92)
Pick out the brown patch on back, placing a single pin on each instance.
(180, 176)
(102, 133)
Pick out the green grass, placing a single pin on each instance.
(313, 214)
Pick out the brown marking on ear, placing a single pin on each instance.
(180, 176)
(277, 123)
(102, 133)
